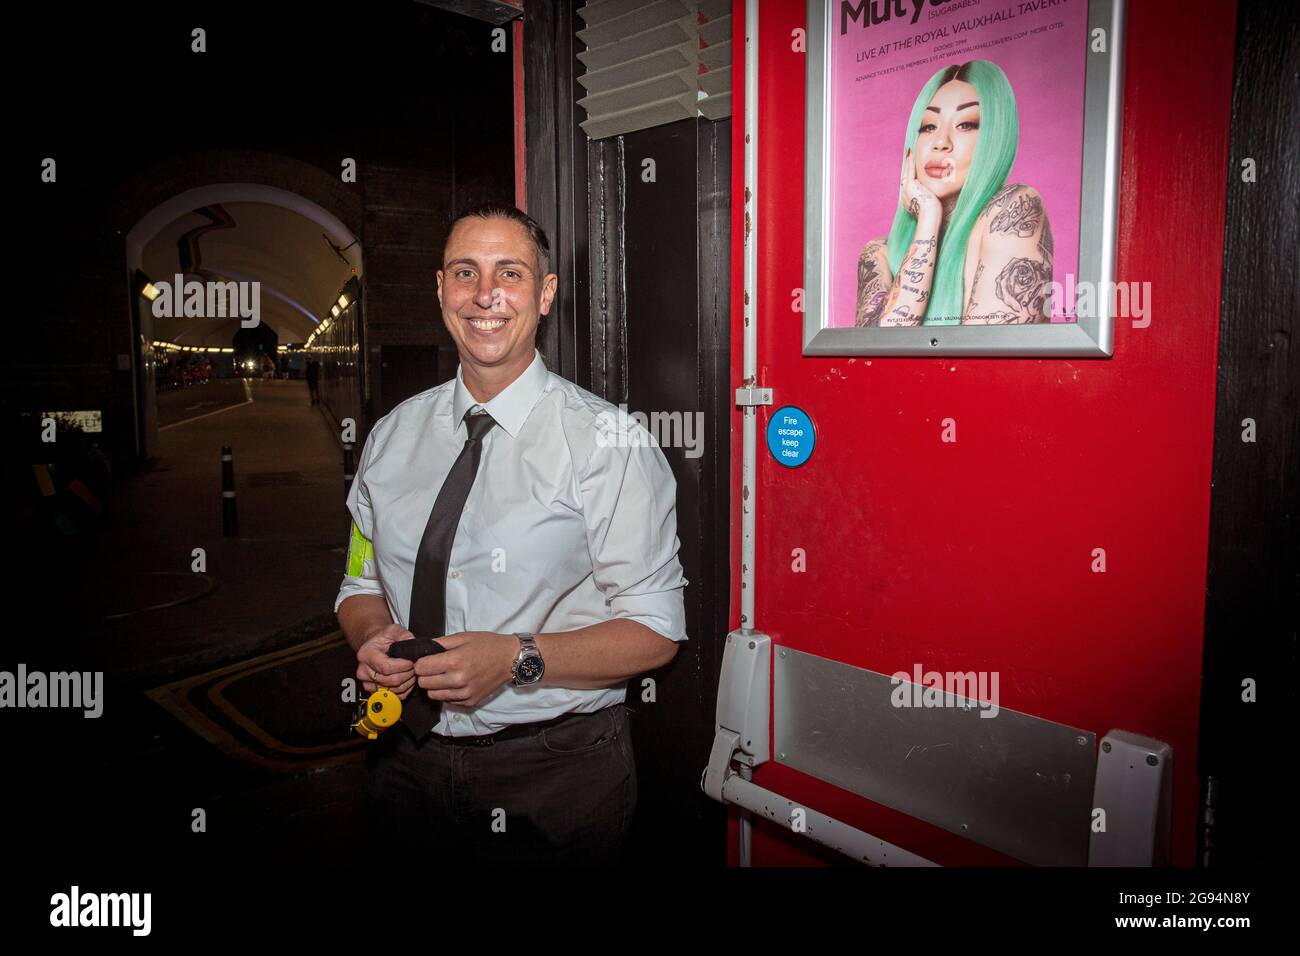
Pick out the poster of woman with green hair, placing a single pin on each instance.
(950, 186)
(966, 246)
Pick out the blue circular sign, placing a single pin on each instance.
(791, 436)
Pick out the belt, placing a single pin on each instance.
(514, 730)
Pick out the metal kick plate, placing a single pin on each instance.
(1014, 782)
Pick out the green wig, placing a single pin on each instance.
(995, 150)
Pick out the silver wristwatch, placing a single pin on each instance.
(528, 667)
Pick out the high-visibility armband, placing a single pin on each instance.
(360, 550)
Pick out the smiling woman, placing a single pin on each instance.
(502, 515)
(494, 287)
(965, 247)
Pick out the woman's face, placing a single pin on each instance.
(945, 141)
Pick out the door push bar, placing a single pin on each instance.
(1133, 783)
(742, 734)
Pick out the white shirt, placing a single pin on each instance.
(571, 521)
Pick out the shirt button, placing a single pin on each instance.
(465, 510)
(455, 717)
(455, 574)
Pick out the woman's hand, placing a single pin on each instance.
(375, 668)
(915, 197)
(474, 666)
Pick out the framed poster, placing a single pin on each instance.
(962, 167)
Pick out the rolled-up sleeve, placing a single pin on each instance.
(360, 576)
(629, 499)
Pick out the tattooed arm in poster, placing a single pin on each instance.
(884, 301)
(1012, 271)
(1007, 281)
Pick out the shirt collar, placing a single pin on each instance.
(511, 407)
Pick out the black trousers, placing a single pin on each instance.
(562, 795)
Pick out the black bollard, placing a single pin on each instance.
(229, 516)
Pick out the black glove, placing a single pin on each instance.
(418, 710)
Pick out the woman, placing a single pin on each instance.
(965, 247)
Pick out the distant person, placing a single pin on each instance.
(313, 380)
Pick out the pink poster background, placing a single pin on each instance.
(869, 115)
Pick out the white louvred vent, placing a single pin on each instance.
(715, 56)
(650, 63)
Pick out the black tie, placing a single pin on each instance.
(428, 617)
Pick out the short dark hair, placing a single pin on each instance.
(504, 210)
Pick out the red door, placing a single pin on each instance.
(977, 555)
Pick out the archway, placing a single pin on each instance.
(287, 250)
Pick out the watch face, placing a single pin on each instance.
(530, 670)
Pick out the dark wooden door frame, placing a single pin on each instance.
(556, 158)
(578, 191)
(1253, 580)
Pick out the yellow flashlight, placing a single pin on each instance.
(383, 709)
